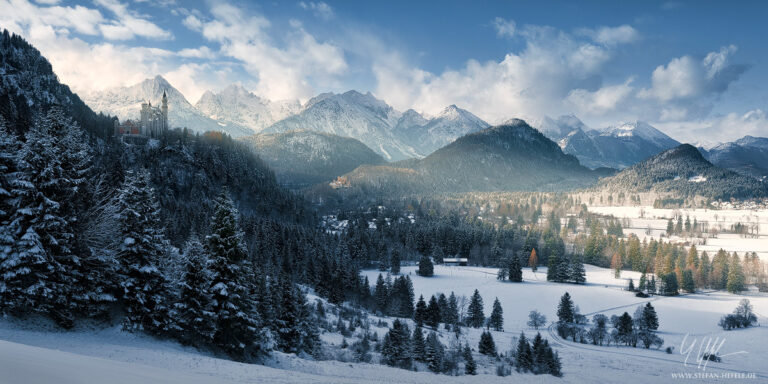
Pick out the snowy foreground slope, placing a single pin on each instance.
(31, 353)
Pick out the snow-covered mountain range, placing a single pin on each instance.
(617, 146)
(392, 134)
(234, 105)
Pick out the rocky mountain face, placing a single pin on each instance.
(301, 158)
(747, 156)
(613, 147)
(390, 133)
(125, 103)
(236, 106)
(427, 136)
(683, 172)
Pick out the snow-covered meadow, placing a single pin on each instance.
(695, 315)
(643, 218)
(31, 353)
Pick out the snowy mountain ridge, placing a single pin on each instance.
(125, 103)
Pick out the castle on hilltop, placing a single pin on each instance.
(153, 121)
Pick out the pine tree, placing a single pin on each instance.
(735, 282)
(650, 319)
(487, 346)
(578, 274)
(394, 258)
(381, 294)
(238, 321)
(538, 355)
(565, 310)
(420, 314)
(524, 358)
(631, 286)
(433, 313)
(563, 272)
(533, 260)
(515, 270)
(142, 247)
(475, 314)
(496, 321)
(396, 346)
(192, 314)
(418, 345)
(553, 262)
(296, 332)
(426, 268)
(470, 367)
(452, 316)
(435, 353)
(688, 283)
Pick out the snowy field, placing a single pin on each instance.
(31, 353)
(644, 218)
(696, 315)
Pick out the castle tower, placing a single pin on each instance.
(165, 112)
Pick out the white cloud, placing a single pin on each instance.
(504, 28)
(688, 78)
(719, 128)
(202, 52)
(623, 34)
(129, 24)
(295, 69)
(319, 9)
(529, 83)
(604, 100)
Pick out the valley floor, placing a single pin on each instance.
(35, 353)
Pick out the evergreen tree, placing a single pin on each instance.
(396, 346)
(433, 313)
(470, 367)
(735, 282)
(381, 294)
(394, 259)
(452, 316)
(435, 353)
(142, 247)
(578, 274)
(553, 262)
(237, 330)
(515, 270)
(631, 286)
(426, 268)
(475, 314)
(688, 283)
(487, 346)
(524, 358)
(496, 320)
(563, 272)
(420, 314)
(193, 317)
(649, 318)
(419, 346)
(296, 332)
(565, 310)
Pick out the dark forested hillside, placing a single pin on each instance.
(510, 157)
(302, 158)
(684, 172)
(28, 85)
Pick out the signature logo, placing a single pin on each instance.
(708, 350)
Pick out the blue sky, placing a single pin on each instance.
(696, 69)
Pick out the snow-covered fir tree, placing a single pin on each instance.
(143, 244)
